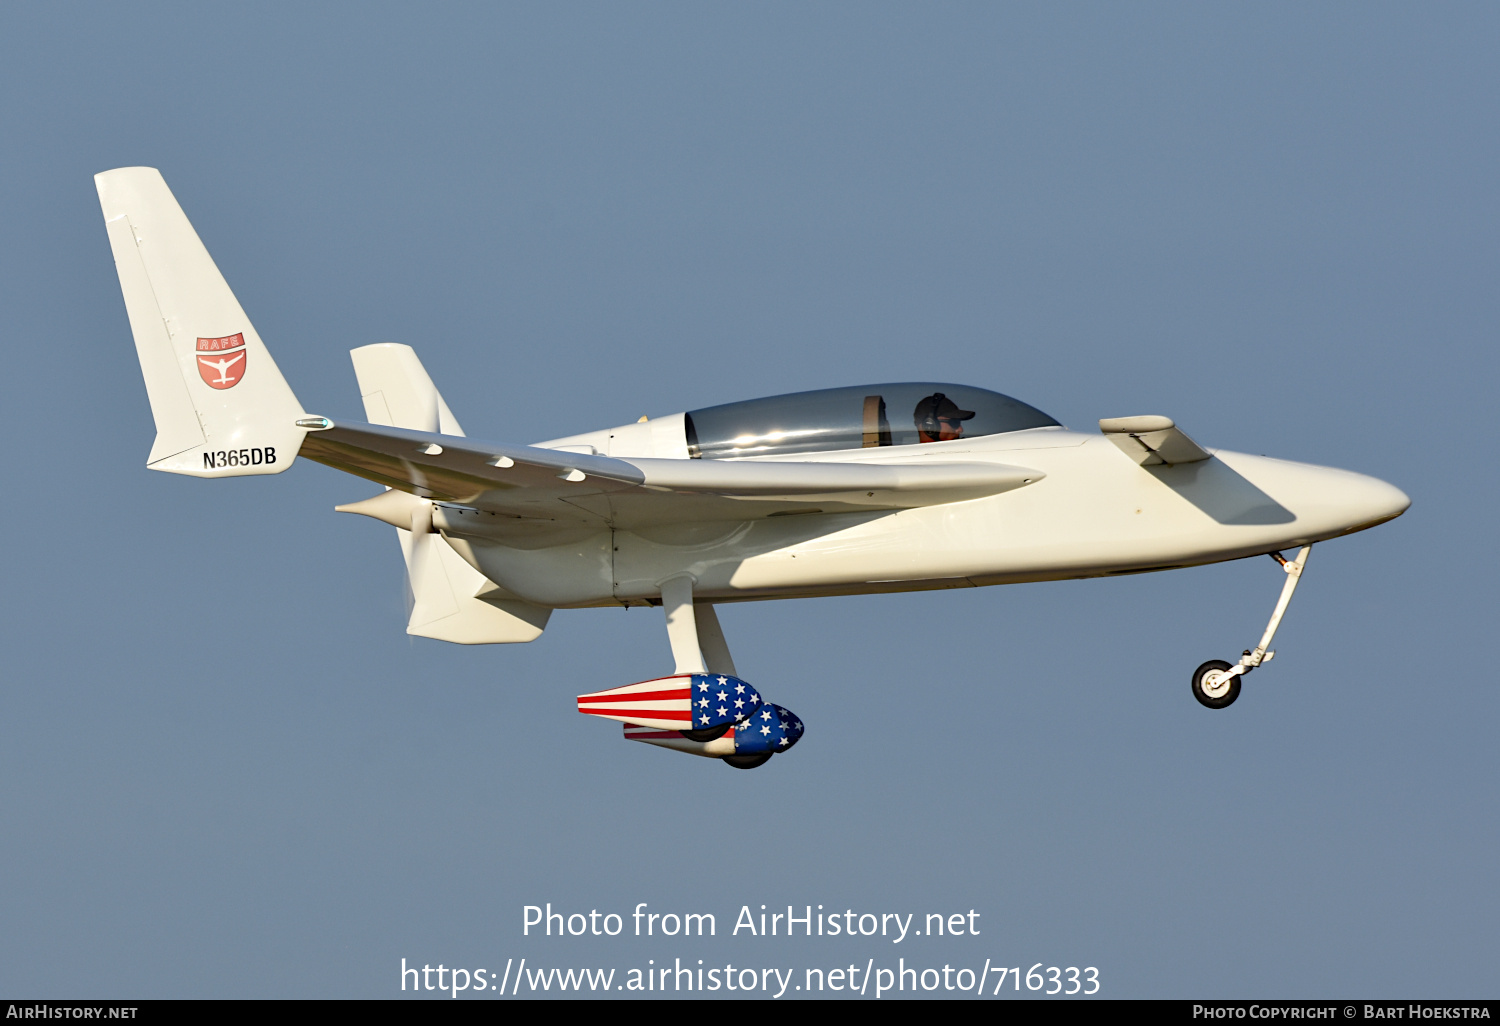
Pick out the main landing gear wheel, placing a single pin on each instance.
(747, 761)
(1214, 685)
(710, 734)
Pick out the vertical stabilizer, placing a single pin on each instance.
(221, 406)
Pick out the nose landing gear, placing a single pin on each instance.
(1216, 684)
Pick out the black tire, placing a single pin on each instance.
(1223, 700)
(709, 734)
(747, 761)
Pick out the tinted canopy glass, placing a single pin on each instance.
(861, 416)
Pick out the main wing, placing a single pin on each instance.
(553, 485)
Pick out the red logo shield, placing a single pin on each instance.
(221, 361)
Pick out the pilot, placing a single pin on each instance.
(939, 419)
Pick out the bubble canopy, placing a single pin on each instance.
(856, 417)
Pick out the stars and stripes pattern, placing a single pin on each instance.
(772, 729)
(659, 711)
(674, 740)
(696, 701)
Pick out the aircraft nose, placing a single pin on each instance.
(1364, 501)
(1325, 502)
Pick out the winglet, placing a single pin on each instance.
(398, 392)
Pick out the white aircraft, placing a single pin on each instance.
(874, 488)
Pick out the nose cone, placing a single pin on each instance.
(1342, 501)
(1371, 501)
(1323, 502)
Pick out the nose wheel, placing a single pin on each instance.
(1214, 686)
(1216, 683)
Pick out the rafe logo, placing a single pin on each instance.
(221, 361)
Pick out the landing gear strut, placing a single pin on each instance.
(698, 644)
(699, 649)
(1216, 683)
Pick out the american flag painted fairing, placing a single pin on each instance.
(771, 729)
(674, 740)
(684, 701)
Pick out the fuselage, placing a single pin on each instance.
(1091, 512)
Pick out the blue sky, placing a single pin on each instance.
(228, 772)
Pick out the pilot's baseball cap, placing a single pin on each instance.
(939, 407)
